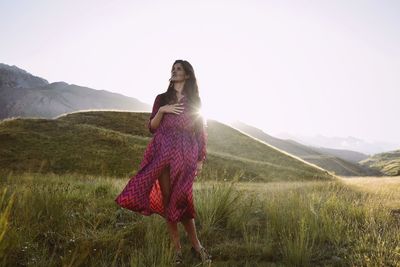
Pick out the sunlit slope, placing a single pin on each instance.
(112, 143)
(388, 162)
(247, 152)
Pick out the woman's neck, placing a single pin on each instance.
(178, 88)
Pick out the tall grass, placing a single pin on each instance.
(4, 221)
(72, 220)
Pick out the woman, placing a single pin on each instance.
(172, 160)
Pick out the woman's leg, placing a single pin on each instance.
(164, 182)
(190, 228)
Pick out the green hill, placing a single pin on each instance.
(112, 143)
(387, 162)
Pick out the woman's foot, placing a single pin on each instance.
(178, 258)
(201, 254)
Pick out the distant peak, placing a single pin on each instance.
(11, 67)
(14, 77)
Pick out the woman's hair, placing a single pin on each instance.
(190, 90)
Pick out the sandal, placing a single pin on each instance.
(178, 258)
(203, 255)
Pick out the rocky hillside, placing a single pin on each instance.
(25, 95)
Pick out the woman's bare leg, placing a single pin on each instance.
(190, 228)
(164, 182)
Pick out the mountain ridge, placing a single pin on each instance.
(25, 95)
(14, 77)
(316, 156)
(343, 143)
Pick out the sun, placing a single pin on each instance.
(215, 113)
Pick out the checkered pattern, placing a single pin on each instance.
(176, 145)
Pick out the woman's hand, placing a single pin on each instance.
(174, 108)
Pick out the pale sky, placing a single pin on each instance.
(301, 67)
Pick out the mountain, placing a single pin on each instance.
(388, 162)
(25, 95)
(341, 162)
(113, 143)
(348, 155)
(342, 143)
(14, 77)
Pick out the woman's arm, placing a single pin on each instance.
(156, 116)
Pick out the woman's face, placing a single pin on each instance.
(178, 73)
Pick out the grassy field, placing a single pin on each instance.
(72, 220)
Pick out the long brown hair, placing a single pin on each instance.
(190, 90)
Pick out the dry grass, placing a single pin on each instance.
(385, 189)
(72, 220)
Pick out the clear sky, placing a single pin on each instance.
(302, 67)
